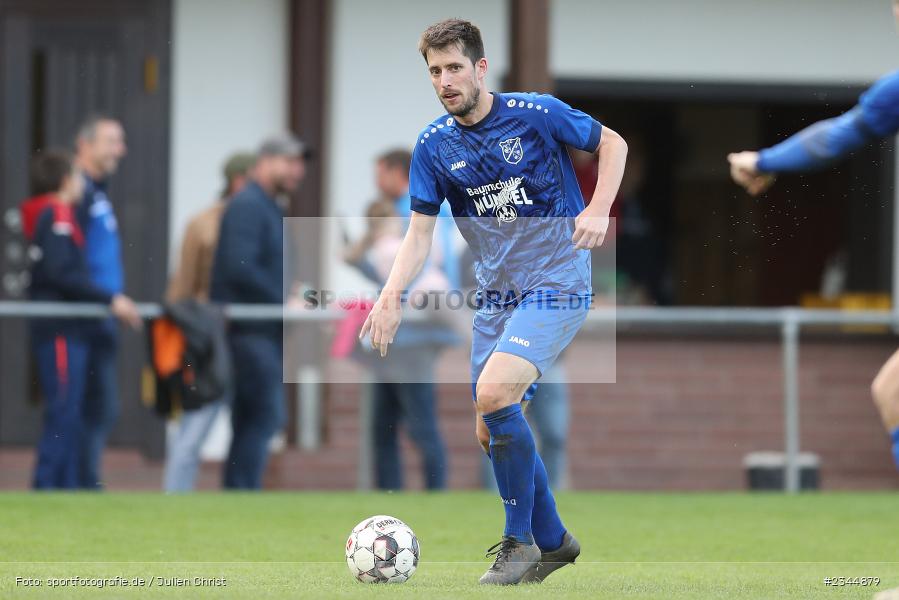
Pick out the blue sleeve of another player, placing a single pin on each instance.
(875, 116)
(570, 126)
(423, 188)
(818, 145)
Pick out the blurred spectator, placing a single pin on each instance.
(403, 390)
(586, 170)
(356, 254)
(247, 269)
(61, 346)
(639, 252)
(392, 179)
(192, 281)
(414, 401)
(194, 271)
(100, 145)
(549, 415)
(380, 245)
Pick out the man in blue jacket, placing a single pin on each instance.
(248, 270)
(100, 145)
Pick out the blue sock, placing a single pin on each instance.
(512, 452)
(895, 436)
(545, 522)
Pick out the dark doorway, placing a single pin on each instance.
(62, 61)
(718, 246)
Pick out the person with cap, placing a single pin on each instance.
(247, 269)
(192, 281)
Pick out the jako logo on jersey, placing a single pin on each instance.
(520, 341)
(511, 501)
(457, 165)
(512, 152)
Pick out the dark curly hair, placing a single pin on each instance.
(453, 32)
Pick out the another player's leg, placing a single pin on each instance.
(499, 391)
(885, 390)
(891, 594)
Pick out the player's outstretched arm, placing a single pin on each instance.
(745, 173)
(384, 318)
(875, 116)
(591, 225)
(813, 148)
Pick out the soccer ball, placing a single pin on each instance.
(382, 549)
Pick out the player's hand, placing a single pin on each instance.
(382, 322)
(589, 230)
(125, 310)
(744, 171)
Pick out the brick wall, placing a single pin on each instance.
(681, 416)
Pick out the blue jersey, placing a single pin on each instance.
(880, 105)
(102, 244)
(875, 116)
(512, 189)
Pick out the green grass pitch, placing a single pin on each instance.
(290, 545)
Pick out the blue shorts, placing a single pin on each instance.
(537, 329)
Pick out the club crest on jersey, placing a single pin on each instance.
(512, 152)
(506, 213)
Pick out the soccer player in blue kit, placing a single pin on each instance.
(501, 162)
(875, 116)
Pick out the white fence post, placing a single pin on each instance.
(790, 340)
